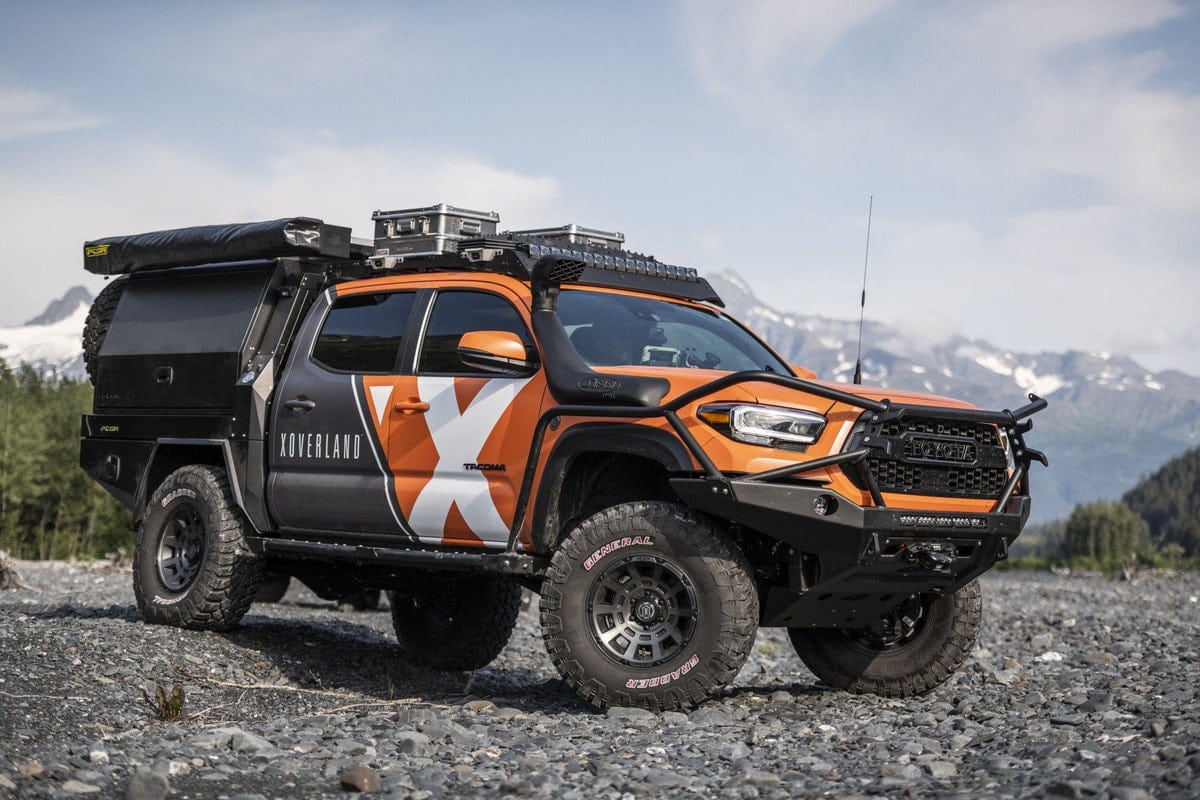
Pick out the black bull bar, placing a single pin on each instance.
(869, 557)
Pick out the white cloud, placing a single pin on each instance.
(155, 187)
(25, 113)
(1033, 168)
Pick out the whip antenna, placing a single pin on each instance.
(862, 308)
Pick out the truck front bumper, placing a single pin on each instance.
(849, 564)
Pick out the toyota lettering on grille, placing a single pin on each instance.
(940, 450)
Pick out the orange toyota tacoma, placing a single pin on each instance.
(451, 413)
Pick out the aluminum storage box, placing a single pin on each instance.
(431, 231)
(575, 234)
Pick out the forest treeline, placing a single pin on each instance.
(49, 508)
(1155, 523)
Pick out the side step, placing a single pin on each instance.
(515, 564)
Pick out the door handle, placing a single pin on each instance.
(299, 405)
(413, 406)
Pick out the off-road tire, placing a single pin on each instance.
(845, 660)
(459, 623)
(192, 514)
(678, 558)
(99, 318)
(273, 588)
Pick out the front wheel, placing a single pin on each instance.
(648, 604)
(191, 565)
(913, 649)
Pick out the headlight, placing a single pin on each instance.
(766, 425)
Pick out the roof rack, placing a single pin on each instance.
(432, 238)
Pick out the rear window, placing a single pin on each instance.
(364, 332)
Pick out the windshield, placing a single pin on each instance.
(622, 330)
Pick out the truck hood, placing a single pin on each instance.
(683, 380)
(898, 395)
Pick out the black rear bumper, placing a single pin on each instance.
(853, 564)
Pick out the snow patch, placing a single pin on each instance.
(56, 346)
(766, 313)
(734, 280)
(1042, 385)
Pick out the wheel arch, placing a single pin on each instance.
(635, 461)
(169, 455)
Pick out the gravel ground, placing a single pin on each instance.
(1080, 687)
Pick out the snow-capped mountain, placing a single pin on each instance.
(51, 342)
(1110, 420)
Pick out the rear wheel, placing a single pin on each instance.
(648, 604)
(191, 565)
(907, 652)
(459, 623)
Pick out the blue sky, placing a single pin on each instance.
(1035, 165)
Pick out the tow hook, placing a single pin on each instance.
(932, 556)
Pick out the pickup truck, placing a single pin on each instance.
(452, 414)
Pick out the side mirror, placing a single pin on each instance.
(500, 352)
(803, 372)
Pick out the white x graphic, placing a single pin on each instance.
(458, 439)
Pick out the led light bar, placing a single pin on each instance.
(624, 264)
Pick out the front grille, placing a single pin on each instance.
(985, 435)
(894, 476)
(926, 456)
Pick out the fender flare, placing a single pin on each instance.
(616, 438)
(144, 489)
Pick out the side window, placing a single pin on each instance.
(364, 332)
(455, 313)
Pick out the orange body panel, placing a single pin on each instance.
(471, 519)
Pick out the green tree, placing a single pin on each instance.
(1104, 535)
(49, 508)
(1169, 501)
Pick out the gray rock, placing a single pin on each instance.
(146, 784)
(758, 779)
(710, 717)
(662, 778)
(411, 743)
(940, 770)
(1041, 642)
(360, 779)
(78, 787)
(1128, 793)
(1172, 752)
(735, 751)
(623, 712)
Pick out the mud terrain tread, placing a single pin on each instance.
(224, 589)
(729, 569)
(933, 663)
(99, 318)
(484, 623)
